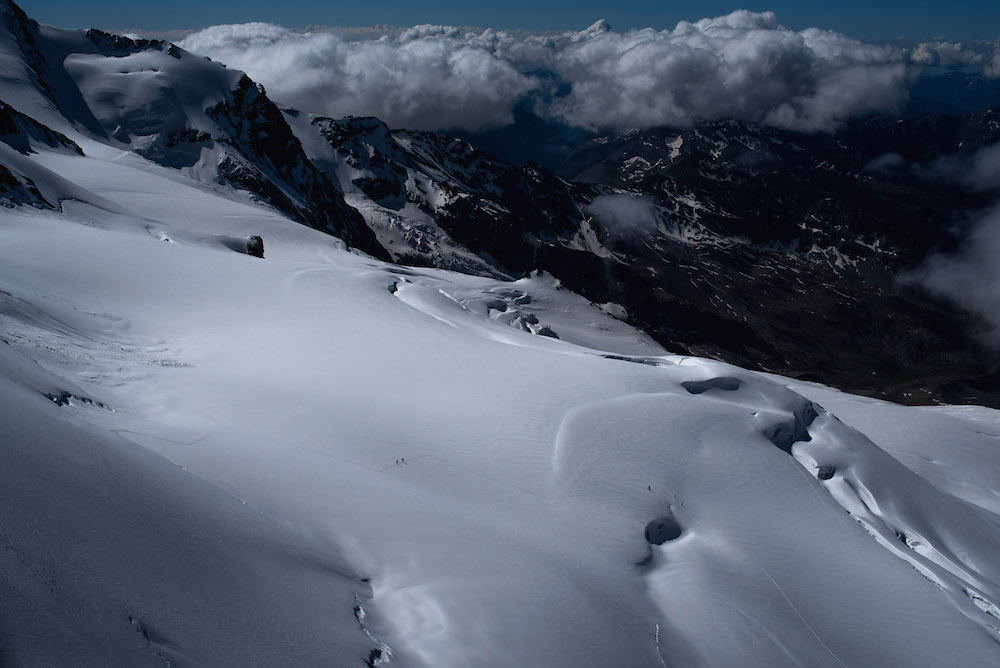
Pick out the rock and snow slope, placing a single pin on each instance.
(320, 458)
(173, 107)
(728, 240)
(206, 442)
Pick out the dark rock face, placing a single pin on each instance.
(25, 32)
(662, 529)
(18, 131)
(15, 190)
(858, 193)
(482, 203)
(270, 162)
(121, 45)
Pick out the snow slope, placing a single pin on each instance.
(173, 107)
(200, 466)
(316, 457)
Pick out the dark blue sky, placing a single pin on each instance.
(872, 19)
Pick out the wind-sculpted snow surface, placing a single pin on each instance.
(212, 458)
(112, 555)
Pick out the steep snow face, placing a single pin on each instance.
(175, 108)
(318, 457)
(137, 93)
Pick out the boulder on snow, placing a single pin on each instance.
(662, 529)
(255, 246)
(252, 245)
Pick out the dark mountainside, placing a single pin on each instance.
(830, 223)
(767, 248)
(770, 249)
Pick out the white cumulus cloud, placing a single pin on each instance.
(992, 68)
(979, 53)
(744, 65)
(412, 81)
(623, 213)
(946, 54)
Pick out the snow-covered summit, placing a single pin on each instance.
(174, 108)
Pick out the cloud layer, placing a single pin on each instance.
(744, 65)
(971, 278)
(624, 213)
(958, 54)
(418, 83)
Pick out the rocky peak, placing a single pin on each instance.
(112, 44)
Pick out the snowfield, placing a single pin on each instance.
(318, 458)
(200, 465)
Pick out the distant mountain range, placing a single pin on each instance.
(531, 138)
